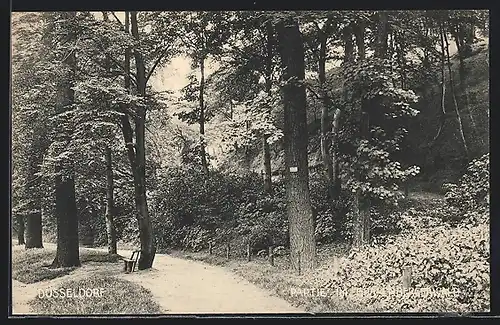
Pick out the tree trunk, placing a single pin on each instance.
(34, 230)
(148, 246)
(452, 89)
(382, 33)
(361, 231)
(34, 216)
(325, 120)
(20, 229)
(362, 203)
(203, 154)
(67, 253)
(268, 187)
(110, 206)
(359, 33)
(337, 184)
(67, 222)
(461, 48)
(299, 210)
(442, 115)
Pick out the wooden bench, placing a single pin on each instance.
(131, 262)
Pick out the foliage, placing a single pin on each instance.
(390, 106)
(472, 192)
(456, 260)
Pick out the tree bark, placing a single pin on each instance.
(268, 187)
(20, 229)
(299, 210)
(110, 206)
(148, 246)
(67, 253)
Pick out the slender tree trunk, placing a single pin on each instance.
(203, 154)
(337, 185)
(362, 202)
(148, 246)
(110, 206)
(20, 229)
(361, 233)
(299, 210)
(452, 89)
(349, 44)
(442, 115)
(67, 253)
(463, 79)
(268, 186)
(325, 120)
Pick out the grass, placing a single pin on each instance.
(115, 296)
(31, 265)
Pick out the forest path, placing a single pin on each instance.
(179, 286)
(185, 286)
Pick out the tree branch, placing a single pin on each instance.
(162, 55)
(117, 19)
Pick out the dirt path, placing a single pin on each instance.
(178, 286)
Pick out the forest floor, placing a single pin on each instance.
(177, 285)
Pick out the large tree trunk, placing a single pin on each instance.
(268, 187)
(148, 246)
(34, 230)
(34, 215)
(67, 222)
(203, 154)
(110, 206)
(67, 253)
(20, 229)
(299, 210)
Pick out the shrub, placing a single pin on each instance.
(471, 194)
(442, 258)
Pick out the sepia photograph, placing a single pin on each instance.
(249, 162)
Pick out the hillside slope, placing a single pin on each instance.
(444, 162)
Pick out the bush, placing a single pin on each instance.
(442, 258)
(190, 209)
(446, 246)
(471, 195)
